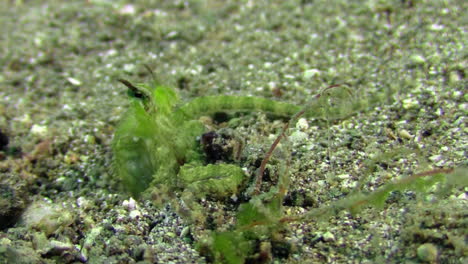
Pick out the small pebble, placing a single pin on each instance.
(410, 103)
(298, 137)
(405, 134)
(328, 237)
(417, 59)
(311, 73)
(435, 158)
(130, 204)
(427, 252)
(74, 81)
(39, 130)
(134, 214)
(302, 124)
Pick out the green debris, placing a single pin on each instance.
(47, 217)
(217, 181)
(230, 248)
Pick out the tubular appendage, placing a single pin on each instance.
(210, 104)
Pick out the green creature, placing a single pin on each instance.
(157, 136)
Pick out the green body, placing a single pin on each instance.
(156, 137)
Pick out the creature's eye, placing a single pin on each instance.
(134, 91)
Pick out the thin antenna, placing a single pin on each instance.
(148, 68)
(283, 133)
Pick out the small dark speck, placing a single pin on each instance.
(426, 133)
(183, 83)
(3, 140)
(220, 117)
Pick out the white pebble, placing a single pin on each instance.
(302, 124)
(134, 214)
(39, 130)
